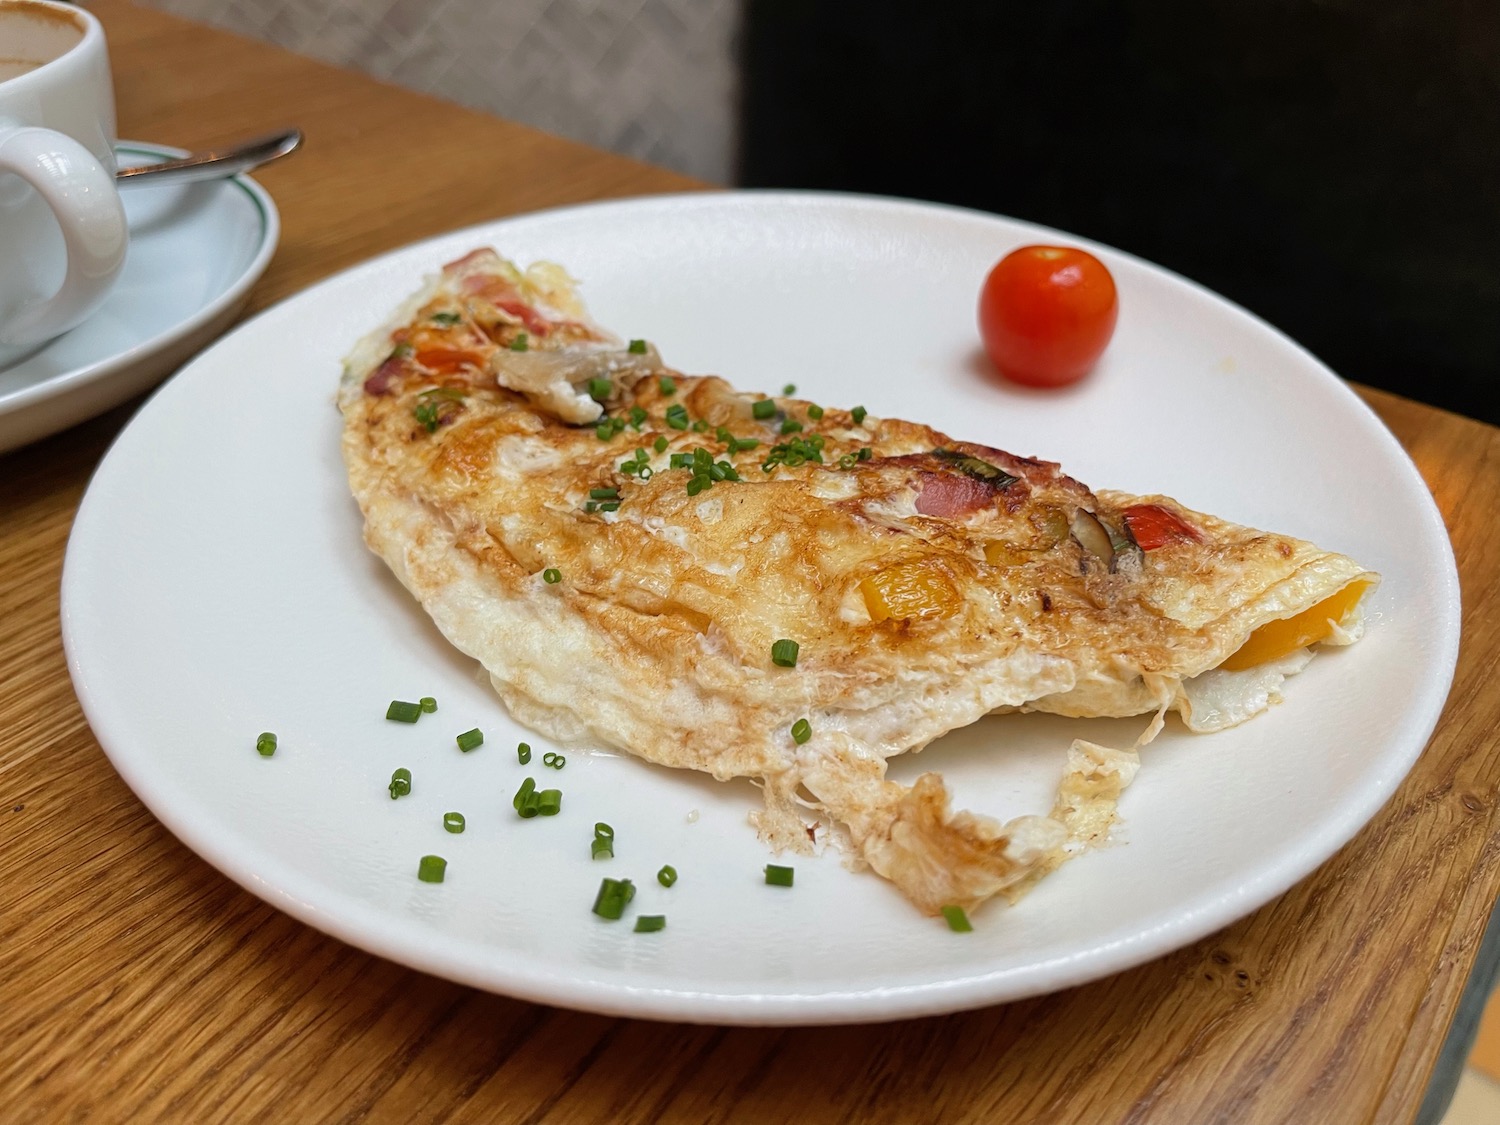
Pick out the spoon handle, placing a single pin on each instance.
(215, 164)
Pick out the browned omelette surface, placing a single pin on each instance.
(495, 439)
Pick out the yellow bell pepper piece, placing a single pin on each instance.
(1276, 639)
(910, 589)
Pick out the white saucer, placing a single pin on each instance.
(195, 250)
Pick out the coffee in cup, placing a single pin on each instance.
(62, 229)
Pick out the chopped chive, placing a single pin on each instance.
(453, 822)
(553, 759)
(528, 787)
(650, 923)
(610, 506)
(801, 731)
(470, 739)
(784, 653)
(791, 426)
(523, 753)
(958, 921)
(667, 385)
(265, 745)
(638, 416)
(604, 494)
(697, 485)
(402, 712)
(815, 413)
(637, 347)
(599, 389)
(847, 461)
(700, 426)
(591, 507)
(549, 802)
(530, 806)
(763, 408)
(864, 453)
(777, 876)
(429, 704)
(520, 343)
(427, 414)
(604, 431)
(431, 868)
(604, 841)
(677, 416)
(446, 318)
(613, 896)
(858, 414)
(400, 784)
(797, 451)
(660, 444)
(667, 875)
(789, 389)
(552, 576)
(743, 444)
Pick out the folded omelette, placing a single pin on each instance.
(761, 587)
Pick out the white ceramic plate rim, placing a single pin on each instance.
(69, 381)
(366, 927)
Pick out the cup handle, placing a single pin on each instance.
(81, 193)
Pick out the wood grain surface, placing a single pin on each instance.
(137, 984)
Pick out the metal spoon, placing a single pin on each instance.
(216, 164)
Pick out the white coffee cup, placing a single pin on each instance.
(62, 229)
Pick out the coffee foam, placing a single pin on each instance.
(34, 35)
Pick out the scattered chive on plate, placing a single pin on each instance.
(401, 711)
(778, 876)
(957, 920)
(400, 784)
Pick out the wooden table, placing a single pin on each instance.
(137, 984)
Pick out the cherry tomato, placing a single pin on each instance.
(1046, 314)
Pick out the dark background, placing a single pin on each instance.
(1334, 167)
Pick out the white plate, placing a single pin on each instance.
(216, 586)
(195, 250)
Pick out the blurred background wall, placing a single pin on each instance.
(1333, 165)
(655, 79)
